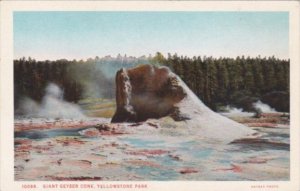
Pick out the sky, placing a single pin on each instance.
(82, 35)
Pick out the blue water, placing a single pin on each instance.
(41, 134)
(141, 143)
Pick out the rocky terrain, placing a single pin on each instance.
(160, 131)
(153, 150)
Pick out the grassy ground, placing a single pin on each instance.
(98, 107)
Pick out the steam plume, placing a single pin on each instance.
(233, 111)
(52, 105)
(260, 106)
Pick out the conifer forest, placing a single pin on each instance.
(217, 82)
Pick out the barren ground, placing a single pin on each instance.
(94, 149)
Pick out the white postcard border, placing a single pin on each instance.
(6, 85)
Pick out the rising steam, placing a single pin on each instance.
(97, 76)
(52, 105)
(262, 107)
(238, 112)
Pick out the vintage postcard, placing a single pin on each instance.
(149, 95)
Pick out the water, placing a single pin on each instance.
(42, 134)
(141, 155)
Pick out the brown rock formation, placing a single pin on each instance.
(146, 92)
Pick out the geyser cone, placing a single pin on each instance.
(148, 92)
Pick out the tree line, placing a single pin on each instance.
(227, 81)
(78, 79)
(216, 81)
(31, 77)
